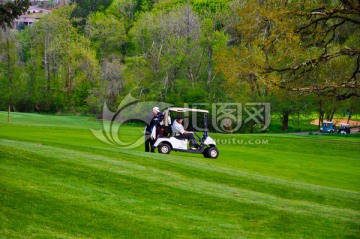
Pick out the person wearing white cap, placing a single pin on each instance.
(156, 110)
(152, 122)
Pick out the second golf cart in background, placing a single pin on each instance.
(344, 129)
(206, 145)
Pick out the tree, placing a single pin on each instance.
(293, 45)
(288, 103)
(212, 41)
(170, 43)
(69, 66)
(129, 10)
(107, 34)
(8, 63)
(85, 7)
(298, 47)
(11, 10)
(113, 80)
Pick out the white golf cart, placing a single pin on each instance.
(206, 145)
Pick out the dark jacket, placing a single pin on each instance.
(151, 121)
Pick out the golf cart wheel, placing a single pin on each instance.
(321, 131)
(164, 148)
(213, 152)
(205, 153)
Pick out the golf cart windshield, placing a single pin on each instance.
(327, 125)
(344, 126)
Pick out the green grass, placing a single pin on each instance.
(301, 124)
(58, 181)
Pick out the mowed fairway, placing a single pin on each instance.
(58, 181)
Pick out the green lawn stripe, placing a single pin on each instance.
(170, 179)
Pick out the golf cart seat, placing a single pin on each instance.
(178, 137)
(165, 137)
(168, 131)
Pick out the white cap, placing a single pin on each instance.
(156, 109)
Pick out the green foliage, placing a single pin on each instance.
(107, 34)
(209, 6)
(275, 45)
(54, 61)
(217, 10)
(177, 47)
(11, 87)
(81, 94)
(129, 10)
(185, 51)
(85, 7)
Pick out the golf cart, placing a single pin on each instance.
(327, 127)
(206, 145)
(344, 129)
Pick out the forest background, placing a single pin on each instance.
(303, 57)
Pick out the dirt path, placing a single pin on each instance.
(338, 121)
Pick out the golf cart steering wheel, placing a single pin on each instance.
(193, 130)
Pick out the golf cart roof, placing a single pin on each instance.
(344, 124)
(187, 110)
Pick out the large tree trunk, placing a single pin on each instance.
(349, 117)
(330, 115)
(285, 121)
(9, 113)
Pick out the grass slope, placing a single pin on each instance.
(58, 181)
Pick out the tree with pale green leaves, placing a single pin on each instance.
(107, 34)
(309, 47)
(293, 45)
(176, 50)
(69, 68)
(8, 67)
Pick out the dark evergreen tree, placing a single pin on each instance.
(11, 10)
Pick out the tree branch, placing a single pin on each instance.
(327, 57)
(321, 88)
(328, 90)
(357, 68)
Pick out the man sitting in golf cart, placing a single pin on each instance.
(180, 133)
